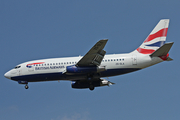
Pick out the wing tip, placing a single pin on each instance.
(104, 40)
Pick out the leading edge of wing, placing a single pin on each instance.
(95, 55)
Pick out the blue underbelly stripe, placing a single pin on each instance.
(60, 76)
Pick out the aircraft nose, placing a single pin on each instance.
(7, 75)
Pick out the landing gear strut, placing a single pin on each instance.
(90, 78)
(26, 86)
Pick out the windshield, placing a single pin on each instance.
(17, 67)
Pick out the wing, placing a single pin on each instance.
(95, 55)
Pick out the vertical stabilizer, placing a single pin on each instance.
(155, 39)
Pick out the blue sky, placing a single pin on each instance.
(39, 29)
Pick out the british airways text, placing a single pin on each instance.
(50, 67)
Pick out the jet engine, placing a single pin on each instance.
(91, 84)
(77, 69)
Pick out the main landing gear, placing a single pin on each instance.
(91, 87)
(90, 78)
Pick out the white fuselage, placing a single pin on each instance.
(55, 68)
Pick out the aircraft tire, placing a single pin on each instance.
(26, 87)
(91, 87)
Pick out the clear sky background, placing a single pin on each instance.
(37, 29)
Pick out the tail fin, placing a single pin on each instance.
(156, 38)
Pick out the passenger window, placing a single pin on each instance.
(61, 63)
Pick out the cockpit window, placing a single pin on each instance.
(17, 67)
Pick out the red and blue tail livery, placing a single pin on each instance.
(88, 71)
(155, 39)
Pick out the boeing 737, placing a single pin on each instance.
(88, 71)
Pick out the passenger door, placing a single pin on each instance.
(31, 68)
(134, 60)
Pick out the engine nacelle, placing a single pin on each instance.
(87, 84)
(76, 69)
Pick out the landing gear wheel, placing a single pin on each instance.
(26, 87)
(91, 87)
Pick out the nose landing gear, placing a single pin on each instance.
(26, 86)
(24, 82)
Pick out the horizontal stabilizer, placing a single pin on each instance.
(163, 50)
(169, 59)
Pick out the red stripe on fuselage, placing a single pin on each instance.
(160, 33)
(35, 63)
(145, 51)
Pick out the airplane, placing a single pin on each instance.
(88, 71)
